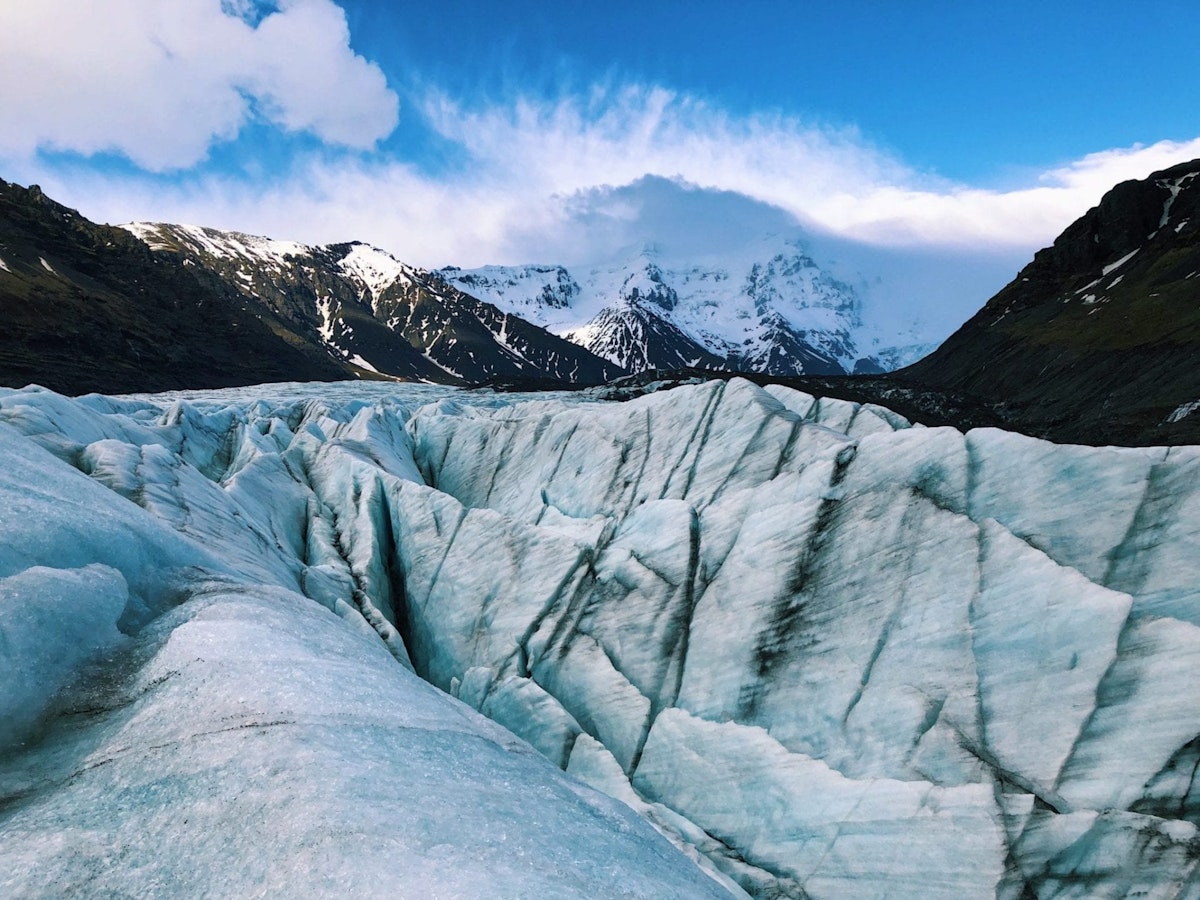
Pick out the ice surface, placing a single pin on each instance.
(53, 621)
(819, 650)
(247, 744)
(221, 734)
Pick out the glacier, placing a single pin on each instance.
(805, 647)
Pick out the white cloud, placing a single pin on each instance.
(160, 82)
(533, 187)
(828, 178)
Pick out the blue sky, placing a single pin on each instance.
(478, 132)
(968, 90)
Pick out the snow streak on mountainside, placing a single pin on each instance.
(836, 655)
(373, 312)
(766, 308)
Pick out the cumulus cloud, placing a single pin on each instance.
(161, 82)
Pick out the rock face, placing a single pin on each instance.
(1096, 339)
(86, 307)
(830, 654)
(371, 311)
(772, 310)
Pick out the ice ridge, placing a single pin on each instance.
(826, 653)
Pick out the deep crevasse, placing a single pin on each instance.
(834, 654)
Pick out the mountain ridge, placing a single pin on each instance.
(89, 307)
(369, 309)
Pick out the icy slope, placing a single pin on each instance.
(836, 655)
(220, 733)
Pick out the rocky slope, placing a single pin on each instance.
(368, 309)
(770, 308)
(87, 307)
(1096, 340)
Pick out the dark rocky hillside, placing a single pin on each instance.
(1098, 339)
(87, 307)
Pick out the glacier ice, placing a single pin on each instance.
(823, 652)
(179, 719)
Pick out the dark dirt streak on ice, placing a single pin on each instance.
(703, 423)
(676, 657)
(1156, 512)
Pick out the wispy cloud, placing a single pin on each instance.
(161, 82)
(825, 177)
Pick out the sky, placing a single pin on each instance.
(469, 132)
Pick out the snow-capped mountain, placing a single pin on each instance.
(770, 308)
(823, 653)
(374, 312)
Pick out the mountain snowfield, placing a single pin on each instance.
(765, 306)
(821, 652)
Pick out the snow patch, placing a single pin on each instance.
(1112, 267)
(1175, 187)
(375, 269)
(1182, 411)
(325, 309)
(232, 245)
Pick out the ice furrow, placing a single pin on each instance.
(679, 653)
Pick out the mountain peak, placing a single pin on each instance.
(768, 307)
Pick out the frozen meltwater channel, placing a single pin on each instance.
(822, 652)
